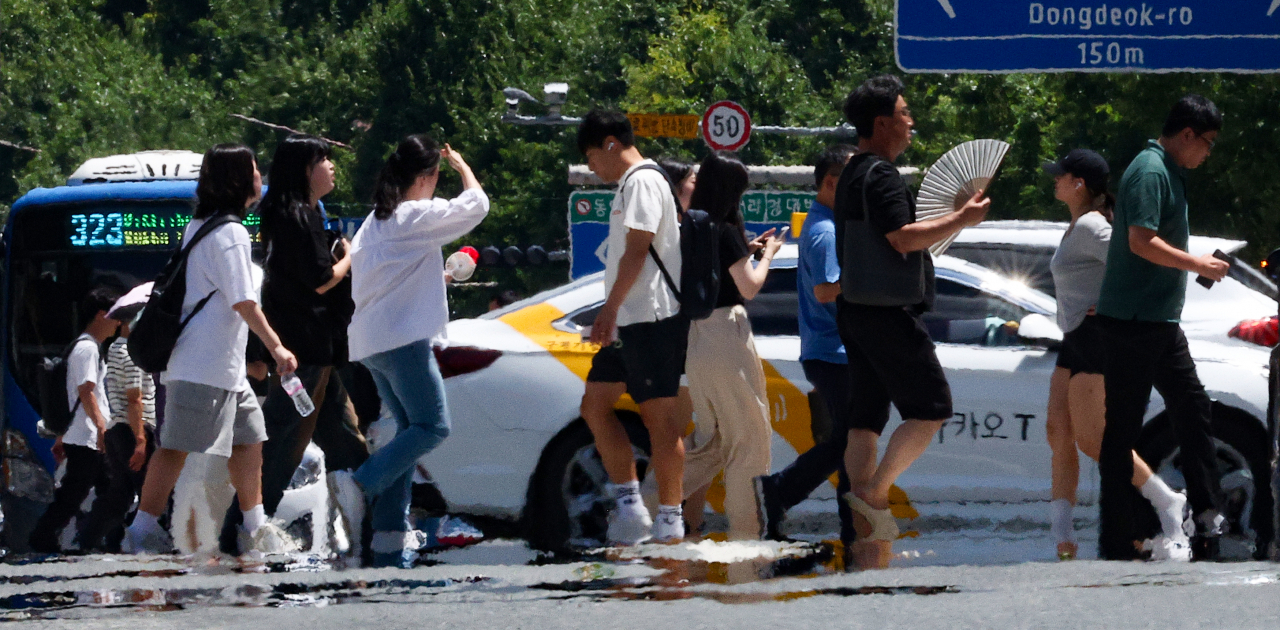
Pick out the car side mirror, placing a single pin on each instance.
(1039, 330)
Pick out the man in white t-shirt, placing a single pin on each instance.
(80, 446)
(640, 331)
(209, 406)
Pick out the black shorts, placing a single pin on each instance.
(891, 360)
(1083, 349)
(648, 357)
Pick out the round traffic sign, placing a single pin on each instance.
(726, 126)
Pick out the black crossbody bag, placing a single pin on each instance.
(872, 272)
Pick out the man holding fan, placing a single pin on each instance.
(886, 284)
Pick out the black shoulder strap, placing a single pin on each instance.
(871, 165)
(209, 226)
(653, 252)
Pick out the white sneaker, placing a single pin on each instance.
(154, 542)
(349, 499)
(1166, 549)
(629, 522)
(668, 528)
(269, 539)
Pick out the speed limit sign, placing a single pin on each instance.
(726, 126)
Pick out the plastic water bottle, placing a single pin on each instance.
(301, 400)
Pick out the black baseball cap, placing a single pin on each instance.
(1086, 165)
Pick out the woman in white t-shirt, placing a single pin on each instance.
(209, 406)
(1077, 398)
(400, 306)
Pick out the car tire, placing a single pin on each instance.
(567, 506)
(1243, 458)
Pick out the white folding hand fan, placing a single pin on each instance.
(955, 178)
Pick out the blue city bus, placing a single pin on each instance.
(58, 244)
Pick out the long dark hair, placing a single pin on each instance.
(722, 178)
(226, 181)
(417, 155)
(678, 171)
(289, 182)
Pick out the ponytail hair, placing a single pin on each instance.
(417, 155)
(1104, 202)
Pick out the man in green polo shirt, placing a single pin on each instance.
(1140, 307)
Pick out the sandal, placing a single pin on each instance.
(883, 525)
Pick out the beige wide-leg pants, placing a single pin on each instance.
(731, 413)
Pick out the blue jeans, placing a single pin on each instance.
(412, 389)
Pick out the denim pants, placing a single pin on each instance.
(412, 389)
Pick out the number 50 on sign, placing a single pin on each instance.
(726, 126)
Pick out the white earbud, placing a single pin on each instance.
(610, 147)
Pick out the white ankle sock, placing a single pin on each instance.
(671, 510)
(1168, 504)
(254, 518)
(1060, 523)
(1158, 493)
(619, 490)
(146, 522)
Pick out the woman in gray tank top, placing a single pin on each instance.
(1077, 398)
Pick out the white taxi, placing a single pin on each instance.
(519, 449)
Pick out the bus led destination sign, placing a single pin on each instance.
(999, 36)
(150, 227)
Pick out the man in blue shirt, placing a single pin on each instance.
(821, 355)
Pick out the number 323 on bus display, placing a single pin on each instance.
(124, 229)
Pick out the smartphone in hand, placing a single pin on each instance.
(1206, 282)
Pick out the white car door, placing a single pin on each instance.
(993, 448)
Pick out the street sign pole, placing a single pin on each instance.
(1004, 36)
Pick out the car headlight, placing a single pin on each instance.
(24, 474)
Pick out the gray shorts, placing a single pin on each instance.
(206, 419)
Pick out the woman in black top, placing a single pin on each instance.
(726, 378)
(307, 296)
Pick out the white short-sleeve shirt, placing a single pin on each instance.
(644, 202)
(85, 365)
(210, 350)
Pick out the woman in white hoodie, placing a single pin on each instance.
(400, 307)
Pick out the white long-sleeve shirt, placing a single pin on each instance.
(397, 271)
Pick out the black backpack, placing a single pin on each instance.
(51, 385)
(699, 286)
(153, 336)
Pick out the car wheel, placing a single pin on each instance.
(567, 505)
(1241, 446)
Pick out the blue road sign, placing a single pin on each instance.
(999, 36)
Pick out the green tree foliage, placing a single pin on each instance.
(84, 78)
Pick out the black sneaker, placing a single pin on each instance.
(770, 508)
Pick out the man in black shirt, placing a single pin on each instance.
(891, 358)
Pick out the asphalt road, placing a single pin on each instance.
(945, 578)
